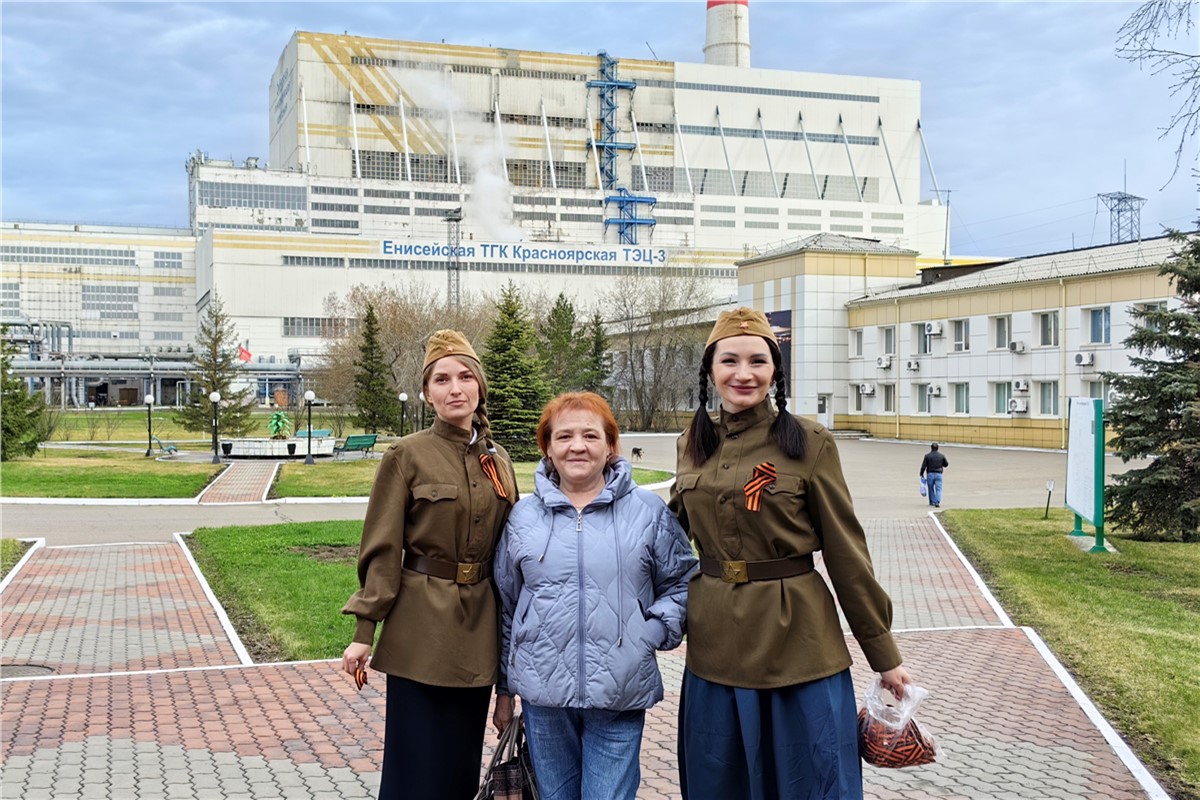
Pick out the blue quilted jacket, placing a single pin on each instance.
(588, 596)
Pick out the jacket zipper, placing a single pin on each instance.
(582, 601)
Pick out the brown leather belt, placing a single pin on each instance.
(448, 570)
(746, 571)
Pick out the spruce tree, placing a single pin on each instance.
(597, 364)
(516, 389)
(20, 412)
(215, 367)
(1156, 413)
(378, 406)
(559, 349)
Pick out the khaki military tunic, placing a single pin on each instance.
(774, 633)
(431, 497)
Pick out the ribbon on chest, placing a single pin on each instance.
(762, 477)
(488, 462)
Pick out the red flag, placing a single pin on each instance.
(243, 353)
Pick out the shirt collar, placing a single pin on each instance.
(736, 423)
(453, 432)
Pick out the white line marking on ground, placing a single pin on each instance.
(37, 544)
(1131, 761)
(983, 588)
(234, 639)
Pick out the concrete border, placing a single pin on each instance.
(983, 587)
(235, 640)
(37, 544)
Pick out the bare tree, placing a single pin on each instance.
(658, 323)
(407, 316)
(1146, 39)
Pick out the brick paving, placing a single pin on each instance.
(241, 482)
(204, 726)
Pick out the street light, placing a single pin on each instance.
(214, 398)
(403, 404)
(421, 396)
(149, 426)
(309, 396)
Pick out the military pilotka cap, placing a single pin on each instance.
(741, 322)
(447, 343)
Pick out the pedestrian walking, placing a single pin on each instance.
(439, 503)
(592, 573)
(931, 470)
(767, 708)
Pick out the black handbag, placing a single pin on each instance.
(510, 774)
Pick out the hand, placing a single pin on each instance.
(894, 680)
(355, 657)
(502, 717)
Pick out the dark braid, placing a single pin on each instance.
(702, 434)
(786, 432)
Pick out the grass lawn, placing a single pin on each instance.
(1126, 625)
(11, 552)
(353, 478)
(101, 473)
(129, 425)
(284, 585)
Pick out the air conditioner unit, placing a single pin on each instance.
(934, 390)
(933, 328)
(1016, 347)
(1020, 385)
(866, 388)
(1085, 359)
(1018, 405)
(884, 362)
(915, 366)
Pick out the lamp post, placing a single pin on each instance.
(422, 398)
(403, 404)
(149, 426)
(309, 396)
(214, 398)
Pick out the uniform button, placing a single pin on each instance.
(722, 500)
(473, 484)
(771, 487)
(724, 466)
(477, 520)
(433, 493)
(733, 436)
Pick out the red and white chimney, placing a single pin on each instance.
(727, 36)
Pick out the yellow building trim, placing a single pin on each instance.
(996, 431)
(306, 244)
(107, 277)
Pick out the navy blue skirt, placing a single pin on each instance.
(795, 743)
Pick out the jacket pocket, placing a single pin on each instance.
(433, 492)
(785, 485)
(686, 481)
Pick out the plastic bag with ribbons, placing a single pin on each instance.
(888, 735)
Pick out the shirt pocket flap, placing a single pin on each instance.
(687, 481)
(785, 484)
(435, 491)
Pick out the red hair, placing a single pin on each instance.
(578, 401)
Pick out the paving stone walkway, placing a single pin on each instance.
(150, 697)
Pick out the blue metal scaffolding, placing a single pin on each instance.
(628, 219)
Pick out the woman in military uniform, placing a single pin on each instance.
(767, 709)
(440, 500)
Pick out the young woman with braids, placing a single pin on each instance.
(767, 710)
(440, 500)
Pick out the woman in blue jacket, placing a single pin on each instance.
(592, 573)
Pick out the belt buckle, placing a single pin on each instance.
(734, 572)
(467, 573)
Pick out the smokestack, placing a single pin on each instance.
(727, 36)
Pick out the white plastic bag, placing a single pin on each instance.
(888, 734)
(922, 486)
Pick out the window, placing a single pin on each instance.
(1002, 328)
(1048, 398)
(889, 341)
(962, 398)
(1048, 329)
(111, 301)
(1001, 393)
(168, 260)
(856, 343)
(1099, 390)
(962, 335)
(856, 398)
(1100, 324)
(889, 398)
(1151, 308)
(924, 340)
(921, 395)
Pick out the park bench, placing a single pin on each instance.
(318, 433)
(166, 449)
(362, 442)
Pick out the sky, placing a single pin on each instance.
(1027, 111)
